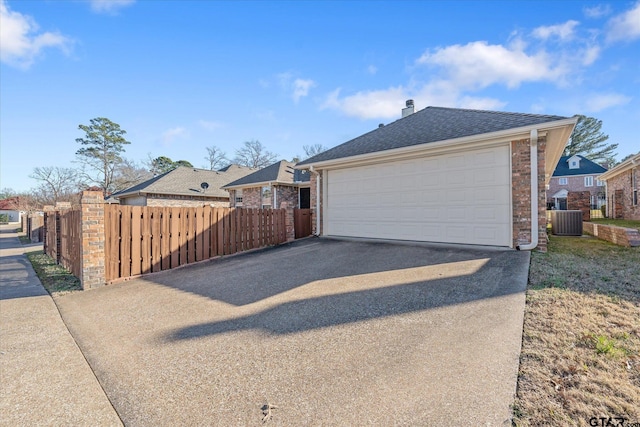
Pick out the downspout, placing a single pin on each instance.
(312, 170)
(533, 138)
(275, 195)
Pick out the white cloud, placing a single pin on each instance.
(477, 65)
(301, 88)
(562, 31)
(372, 69)
(590, 54)
(210, 125)
(20, 42)
(601, 102)
(597, 11)
(109, 6)
(374, 104)
(172, 134)
(625, 26)
(297, 87)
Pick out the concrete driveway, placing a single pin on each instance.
(330, 332)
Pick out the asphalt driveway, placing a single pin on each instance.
(330, 332)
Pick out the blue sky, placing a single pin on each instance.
(179, 76)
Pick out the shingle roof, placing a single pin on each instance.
(430, 125)
(186, 181)
(587, 167)
(281, 172)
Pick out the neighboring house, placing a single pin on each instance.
(622, 185)
(183, 186)
(271, 187)
(575, 173)
(441, 175)
(9, 207)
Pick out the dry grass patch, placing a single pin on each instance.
(581, 340)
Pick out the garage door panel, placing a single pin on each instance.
(457, 198)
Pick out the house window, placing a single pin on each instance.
(266, 197)
(635, 197)
(562, 181)
(239, 197)
(588, 181)
(599, 183)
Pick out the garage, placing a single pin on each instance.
(445, 175)
(462, 197)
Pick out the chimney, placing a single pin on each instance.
(409, 110)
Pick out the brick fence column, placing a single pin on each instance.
(92, 250)
(288, 221)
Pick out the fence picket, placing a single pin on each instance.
(165, 238)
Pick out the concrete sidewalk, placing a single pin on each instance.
(44, 378)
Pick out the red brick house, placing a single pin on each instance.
(444, 175)
(622, 185)
(275, 186)
(572, 174)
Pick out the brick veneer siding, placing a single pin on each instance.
(521, 193)
(580, 201)
(252, 197)
(618, 235)
(287, 198)
(186, 201)
(92, 250)
(574, 183)
(620, 194)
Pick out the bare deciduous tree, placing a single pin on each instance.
(254, 155)
(216, 158)
(313, 149)
(56, 184)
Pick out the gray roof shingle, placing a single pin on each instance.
(186, 181)
(430, 125)
(281, 172)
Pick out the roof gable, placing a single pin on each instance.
(281, 172)
(188, 181)
(586, 166)
(429, 125)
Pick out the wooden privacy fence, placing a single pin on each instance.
(146, 239)
(63, 238)
(302, 222)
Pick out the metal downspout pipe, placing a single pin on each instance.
(533, 138)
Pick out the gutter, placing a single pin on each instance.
(534, 193)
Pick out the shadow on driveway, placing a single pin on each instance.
(328, 283)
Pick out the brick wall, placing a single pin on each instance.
(285, 193)
(580, 201)
(521, 193)
(620, 194)
(187, 201)
(252, 197)
(574, 183)
(618, 235)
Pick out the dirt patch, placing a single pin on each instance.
(581, 341)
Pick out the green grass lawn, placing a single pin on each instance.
(628, 223)
(580, 353)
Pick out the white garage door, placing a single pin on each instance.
(453, 198)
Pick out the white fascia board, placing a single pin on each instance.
(622, 167)
(445, 146)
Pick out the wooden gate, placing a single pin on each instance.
(302, 222)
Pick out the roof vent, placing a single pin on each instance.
(410, 109)
(381, 125)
